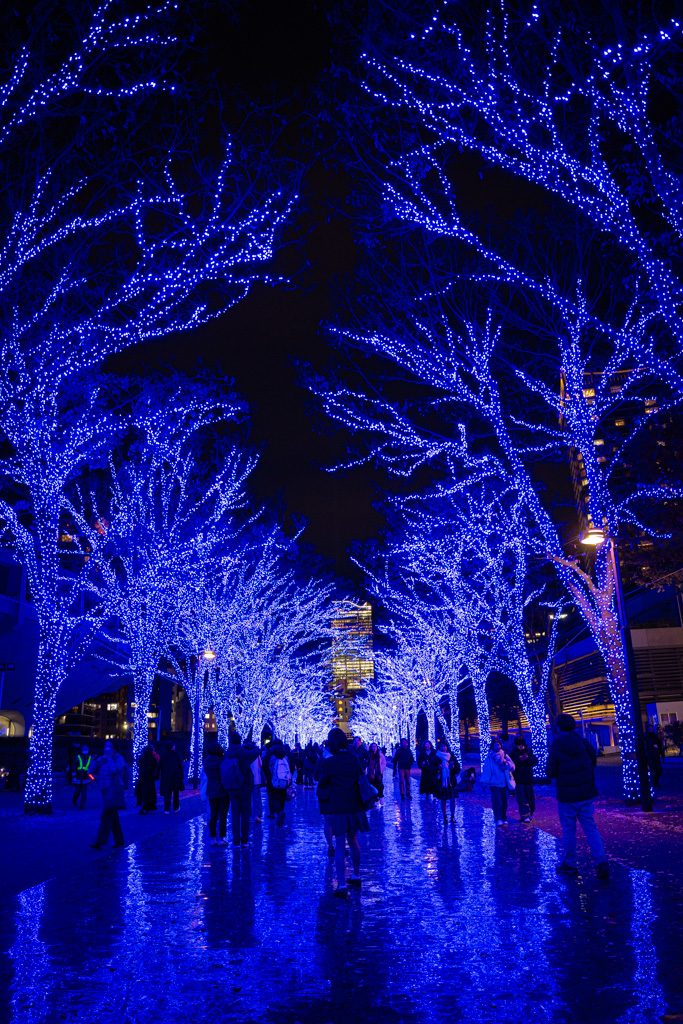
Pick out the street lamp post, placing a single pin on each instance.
(594, 538)
(207, 655)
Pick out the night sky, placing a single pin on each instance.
(282, 50)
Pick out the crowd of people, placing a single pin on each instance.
(348, 777)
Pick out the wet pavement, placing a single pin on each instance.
(454, 923)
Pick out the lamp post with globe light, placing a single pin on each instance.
(207, 655)
(595, 537)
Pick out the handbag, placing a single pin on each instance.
(290, 792)
(512, 785)
(368, 793)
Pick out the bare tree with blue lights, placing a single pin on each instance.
(550, 335)
(110, 236)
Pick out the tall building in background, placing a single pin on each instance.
(352, 659)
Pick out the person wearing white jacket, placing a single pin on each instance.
(497, 773)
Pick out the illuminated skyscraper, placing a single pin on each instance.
(352, 660)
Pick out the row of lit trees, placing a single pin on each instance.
(543, 327)
(115, 229)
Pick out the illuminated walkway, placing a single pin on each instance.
(463, 923)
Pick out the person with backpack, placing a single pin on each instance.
(571, 762)
(279, 773)
(525, 761)
(82, 774)
(341, 803)
(219, 800)
(238, 782)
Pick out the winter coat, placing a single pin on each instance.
(277, 752)
(343, 772)
(113, 773)
(212, 767)
(403, 759)
(145, 788)
(445, 767)
(309, 760)
(571, 762)
(376, 764)
(170, 773)
(245, 757)
(497, 772)
(361, 755)
(524, 769)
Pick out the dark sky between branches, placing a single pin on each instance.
(282, 47)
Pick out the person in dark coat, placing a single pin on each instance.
(310, 758)
(525, 761)
(425, 762)
(171, 779)
(377, 762)
(237, 763)
(340, 801)
(403, 761)
(445, 767)
(322, 796)
(219, 800)
(145, 788)
(278, 765)
(571, 762)
(655, 754)
(360, 753)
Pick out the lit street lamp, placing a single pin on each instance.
(207, 655)
(595, 537)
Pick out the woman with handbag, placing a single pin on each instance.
(113, 773)
(377, 762)
(497, 773)
(446, 772)
(343, 806)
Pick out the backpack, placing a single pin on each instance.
(231, 774)
(280, 773)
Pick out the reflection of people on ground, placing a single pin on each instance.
(571, 762)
